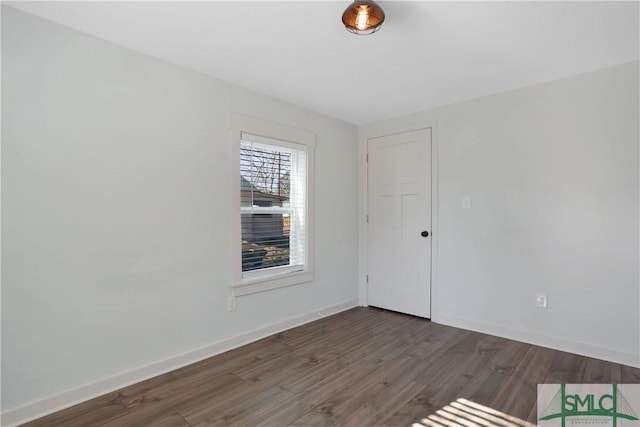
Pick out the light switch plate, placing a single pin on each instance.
(466, 202)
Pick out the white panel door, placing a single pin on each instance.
(399, 227)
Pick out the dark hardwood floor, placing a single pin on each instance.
(361, 367)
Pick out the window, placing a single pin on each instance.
(273, 184)
(272, 205)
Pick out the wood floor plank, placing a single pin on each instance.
(312, 376)
(467, 365)
(600, 372)
(93, 412)
(441, 338)
(254, 405)
(173, 420)
(274, 372)
(309, 399)
(415, 409)
(137, 394)
(384, 401)
(169, 400)
(325, 329)
(566, 368)
(333, 411)
(487, 382)
(361, 348)
(209, 407)
(629, 375)
(364, 366)
(392, 349)
(440, 362)
(175, 389)
(518, 395)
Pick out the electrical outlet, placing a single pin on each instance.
(541, 300)
(231, 304)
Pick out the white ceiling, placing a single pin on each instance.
(427, 54)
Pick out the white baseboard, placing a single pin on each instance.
(86, 392)
(555, 343)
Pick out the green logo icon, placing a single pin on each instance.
(566, 405)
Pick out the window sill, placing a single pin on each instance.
(252, 286)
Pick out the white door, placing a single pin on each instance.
(399, 227)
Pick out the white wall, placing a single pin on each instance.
(552, 171)
(116, 221)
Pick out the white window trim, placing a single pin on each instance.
(275, 278)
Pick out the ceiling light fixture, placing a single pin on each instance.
(363, 17)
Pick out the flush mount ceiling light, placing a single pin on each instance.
(363, 17)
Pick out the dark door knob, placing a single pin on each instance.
(425, 234)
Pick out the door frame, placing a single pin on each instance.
(375, 131)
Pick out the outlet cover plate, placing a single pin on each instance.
(231, 304)
(541, 300)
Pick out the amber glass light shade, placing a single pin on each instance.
(363, 17)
